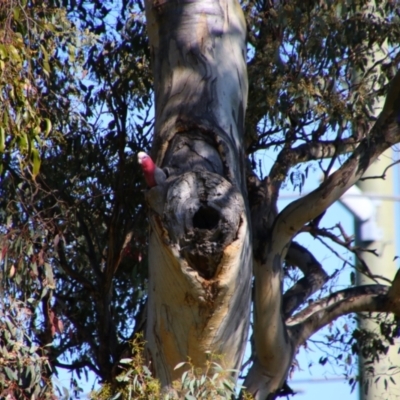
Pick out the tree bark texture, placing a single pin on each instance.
(275, 342)
(200, 256)
(205, 238)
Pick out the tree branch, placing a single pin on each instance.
(314, 278)
(289, 157)
(70, 201)
(369, 298)
(384, 134)
(325, 232)
(383, 175)
(362, 266)
(77, 364)
(263, 210)
(323, 312)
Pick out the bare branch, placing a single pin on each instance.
(369, 298)
(77, 364)
(319, 314)
(383, 176)
(349, 295)
(313, 280)
(362, 266)
(288, 157)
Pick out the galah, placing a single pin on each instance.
(153, 175)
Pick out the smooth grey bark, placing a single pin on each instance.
(200, 255)
(276, 344)
(204, 237)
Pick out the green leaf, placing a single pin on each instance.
(217, 367)
(181, 364)
(11, 374)
(125, 360)
(35, 162)
(48, 127)
(122, 378)
(146, 370)
(2, 140)
(3, 52)
(184, 376)
(33, 349)
(13, 53)
(46, 68)
(11, 328)
(23, 141)
(229, 385)
(29, 374)
(17, 13)
(49, 275)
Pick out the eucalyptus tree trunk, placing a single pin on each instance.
(208, 236)
(200, 256)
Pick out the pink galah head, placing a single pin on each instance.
(144, 158)
(148, 168)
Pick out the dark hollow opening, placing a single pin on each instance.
(205, 218)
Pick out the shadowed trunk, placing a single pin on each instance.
(200, 255)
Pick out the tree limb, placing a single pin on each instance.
(274, 347)
(369, 298)
(289, 157)
(314, 278)
(384, 134)
(394, 291)
(77, 364)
